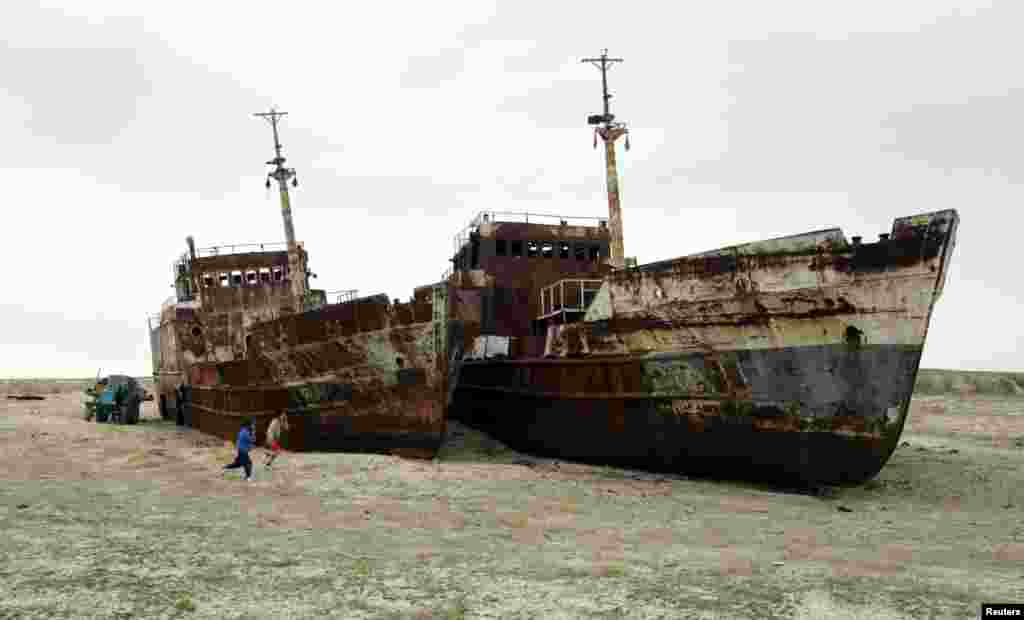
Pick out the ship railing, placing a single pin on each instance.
(525, 218)
(241, 248)
(352, 295)
(569, 295)
(343, 296)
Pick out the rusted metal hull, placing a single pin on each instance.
(368, 376)
(792, 358)
(610, 411)
(341, 422)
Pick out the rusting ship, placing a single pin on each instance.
(246, 337)
(791, 358)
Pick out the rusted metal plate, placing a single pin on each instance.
(363, 375)
(405, 419)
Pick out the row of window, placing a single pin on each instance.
(547, 249)
(250, 277)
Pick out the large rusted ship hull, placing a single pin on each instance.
(791, 359)
(757, 437)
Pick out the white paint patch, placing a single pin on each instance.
(892, 415)
(489, 346)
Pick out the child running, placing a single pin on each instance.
(244, 443)
(278, 424)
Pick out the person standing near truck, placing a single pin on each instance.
(120, 393)
(244, 444)
(179, 404)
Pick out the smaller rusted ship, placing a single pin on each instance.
(246, 337)
(791, 358)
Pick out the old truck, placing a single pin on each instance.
(115, 398)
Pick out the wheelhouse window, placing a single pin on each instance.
(532, 249)
(595, 252)
(264, 274)
(236, 278)
(500, 247)
(208, 279)
(580, 251)
(517, 248)
(251, 277)
(563, 250)
(224, 280)
(547, 249)
(278, 274)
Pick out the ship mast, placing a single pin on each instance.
(281, 175)
(610, 131)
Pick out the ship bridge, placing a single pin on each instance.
(494, 239)
(521, 272)
(221, 291)
(237, 265)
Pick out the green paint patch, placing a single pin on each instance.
(675, 376)
(737, 408)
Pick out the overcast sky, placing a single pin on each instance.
(127, 126)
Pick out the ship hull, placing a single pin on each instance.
(792, 359)
(406, 422)
(365, 376)
(769, 435)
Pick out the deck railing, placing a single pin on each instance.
(241, 248)
(343, 296)
(569, 295)
(182, 265)
(523, 217)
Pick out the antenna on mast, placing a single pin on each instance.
(610, 131)
(281, 174)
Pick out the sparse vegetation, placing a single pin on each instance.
(361, 567)
(966, 383)
(457, 611)
(184, 603)
(140, 523)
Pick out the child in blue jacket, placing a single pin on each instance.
(244, 444)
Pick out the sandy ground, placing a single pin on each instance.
(101, 521)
